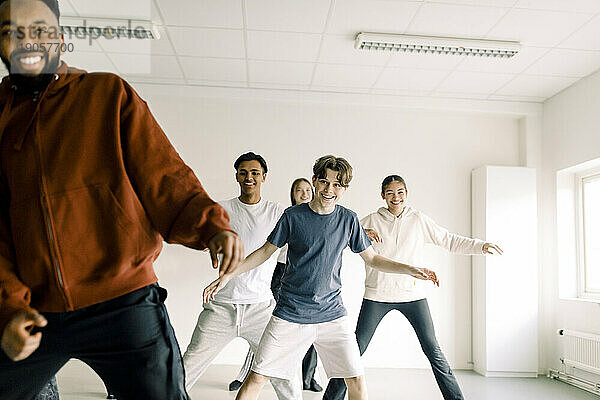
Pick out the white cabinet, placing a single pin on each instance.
(505, 288)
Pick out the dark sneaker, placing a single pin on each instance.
(313, 387)
(235, 385)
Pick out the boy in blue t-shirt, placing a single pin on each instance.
(309, 309)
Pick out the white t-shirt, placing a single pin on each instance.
(253, 223)
(282, 258)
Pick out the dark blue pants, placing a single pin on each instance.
(127, 341)
(309, 366)
(417, 313)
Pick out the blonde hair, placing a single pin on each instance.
(296, 182)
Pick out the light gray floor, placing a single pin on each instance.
(78, 382)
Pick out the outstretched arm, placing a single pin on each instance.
(384, 264)
(255, 259)
(174, 200)
(457, 243)
(452, 242)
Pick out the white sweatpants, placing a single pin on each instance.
(220, 323)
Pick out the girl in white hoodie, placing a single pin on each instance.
(400, 232)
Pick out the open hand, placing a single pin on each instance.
(488, 247)
(215, 287)
(426, 275)
(231, 246)
(374, 235)
(17, 341)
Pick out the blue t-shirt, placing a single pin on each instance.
(310, 287)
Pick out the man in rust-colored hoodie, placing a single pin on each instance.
(89, 188)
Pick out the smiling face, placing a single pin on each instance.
(250, 177)
(26, 28)
(328, 190)
(395, 194)
(302, 192)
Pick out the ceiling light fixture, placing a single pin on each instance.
(436, 45)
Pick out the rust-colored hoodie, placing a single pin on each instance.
(89, 188)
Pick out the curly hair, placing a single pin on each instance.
(338, 164)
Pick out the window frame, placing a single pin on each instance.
(582, 286)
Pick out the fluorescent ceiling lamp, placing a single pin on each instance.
(112, 28)
(436, 45)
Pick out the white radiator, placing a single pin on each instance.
(581, 351)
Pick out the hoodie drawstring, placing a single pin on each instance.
(240, 311)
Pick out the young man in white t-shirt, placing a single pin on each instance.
(244, 306)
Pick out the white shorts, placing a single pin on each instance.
(283, 345)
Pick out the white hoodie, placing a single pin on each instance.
(404, 238)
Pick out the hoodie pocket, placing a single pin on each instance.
(94, 235)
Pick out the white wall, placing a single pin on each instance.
(434, 151)
(570, 137)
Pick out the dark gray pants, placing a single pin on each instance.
(309, 366)
(127, 341)
(417, 313)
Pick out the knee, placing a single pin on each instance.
(434, 352)
(255, 378)
(191, 353)
(356, 384)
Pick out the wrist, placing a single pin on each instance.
(218, 233)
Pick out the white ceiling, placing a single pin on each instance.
(308, 45)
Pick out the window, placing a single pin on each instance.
(589, 236)
(578, 231)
